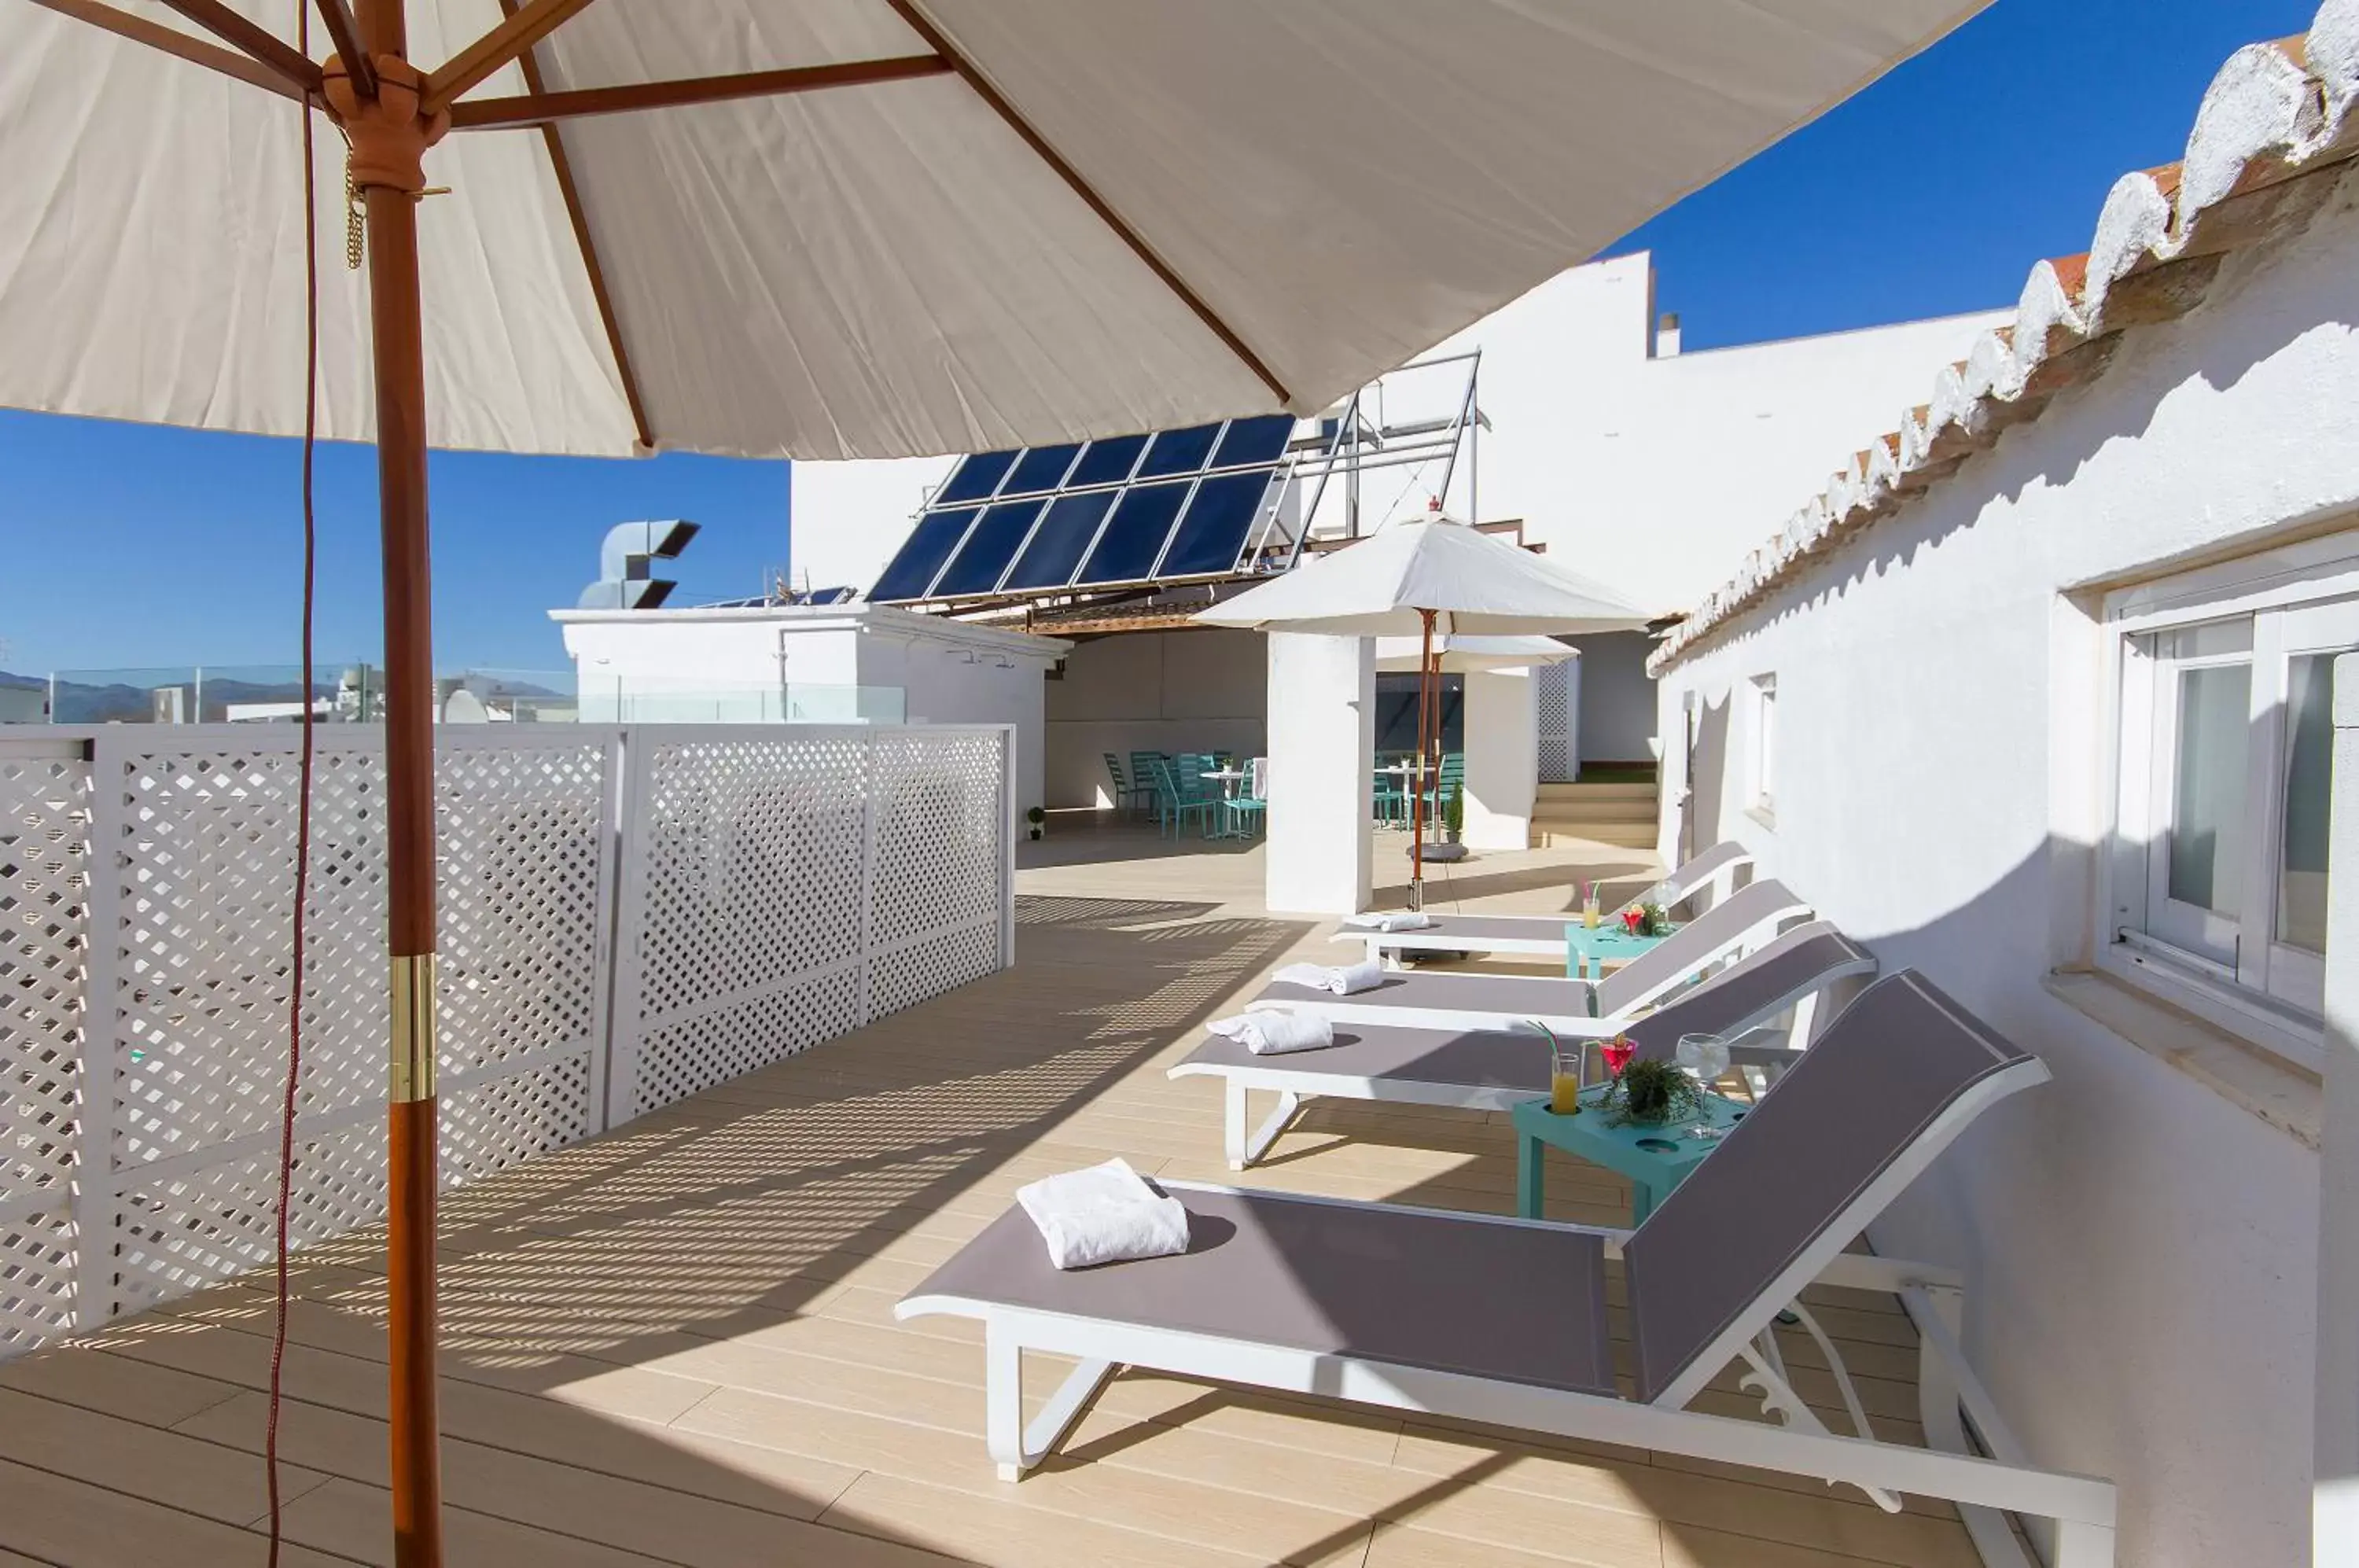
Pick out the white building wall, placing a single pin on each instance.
(1594, 444)
(1615, 714)
(948, 673)
(1170, 692)
(1502, 759)
(2142, 1251)
(845, 519)
(1320, 859)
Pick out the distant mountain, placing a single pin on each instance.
(23, 683)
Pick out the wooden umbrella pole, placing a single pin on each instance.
(390, 138)
(1417, 779)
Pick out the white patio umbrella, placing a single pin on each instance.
(1430, 577)
(813, 228)
(1469, 655)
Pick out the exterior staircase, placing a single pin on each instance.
(1571, 815)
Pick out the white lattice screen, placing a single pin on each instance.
(1553, 693)
(726, 879)
(797, 883)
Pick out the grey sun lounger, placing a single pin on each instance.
(1492, 1070)
(1542, 936)
(1751, 916)
(1504, 1321)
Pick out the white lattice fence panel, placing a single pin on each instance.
(744, 882)
(721, 1043)
(940, 825)
(1553, 692)
(202, 846)
(44, 990)
(917, 971)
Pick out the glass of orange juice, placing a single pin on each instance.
(1591, 912)
(1564, 1078)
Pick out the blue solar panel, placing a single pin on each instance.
(1179, 452)
(1214, 530)
(1126, 552)
(928, 545)
(976, 567)
(1108, 461)
(977, 477)
(1253, 440)
(1042, 468)
(1058, 543)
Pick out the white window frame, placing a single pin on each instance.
(1761, 747)
(2291, 595)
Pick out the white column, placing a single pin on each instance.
(1502, 757)
(1322, 712)
(2334, 1511)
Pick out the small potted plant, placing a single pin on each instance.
(1654, 920)
(1650, 1093)
(1453, 822)
(1036, 817)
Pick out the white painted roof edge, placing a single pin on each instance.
(2267, 119)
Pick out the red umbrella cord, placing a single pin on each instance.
(302, 790)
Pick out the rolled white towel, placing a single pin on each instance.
(1343, 981)
(1273, 1032)
(1391, 920)
(1106, 1214)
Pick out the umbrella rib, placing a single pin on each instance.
(345, 33)
(941, 45)
(571, 193)
(524, 27)
(251, 38)
(172, 41)
(540, 108)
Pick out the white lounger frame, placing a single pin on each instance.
(1347, 1010)
(1547, 938)
(1284, 1077)
(1950, 1395)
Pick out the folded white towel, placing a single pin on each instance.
(1345, 981)
(1391, 920)
(1274, 1033)
(1106, 1214)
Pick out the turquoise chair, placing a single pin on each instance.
(1174, 805)
(1134, 793)
(1203, 796)
(1250, 811)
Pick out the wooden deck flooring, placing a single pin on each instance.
(674, 1345)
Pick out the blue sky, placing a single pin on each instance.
(1932, 192)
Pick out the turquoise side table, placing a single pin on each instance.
(1588, 954)
(1655, 1159)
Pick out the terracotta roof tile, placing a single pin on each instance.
(2275, 126)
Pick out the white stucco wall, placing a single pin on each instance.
(845, 519)
(1502, 759)
(1656, 474)
(1320, 857)
(1615, 716)
(948, 673)
(1170, 692)
(2142, 1251)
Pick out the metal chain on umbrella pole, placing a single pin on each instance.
(390, 137)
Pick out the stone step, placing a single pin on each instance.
(1596, 811)
(1610, 835)
(1630, 791)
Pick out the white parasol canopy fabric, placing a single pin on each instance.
(1380, 587)
(1466, 655)
(1290, 197)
